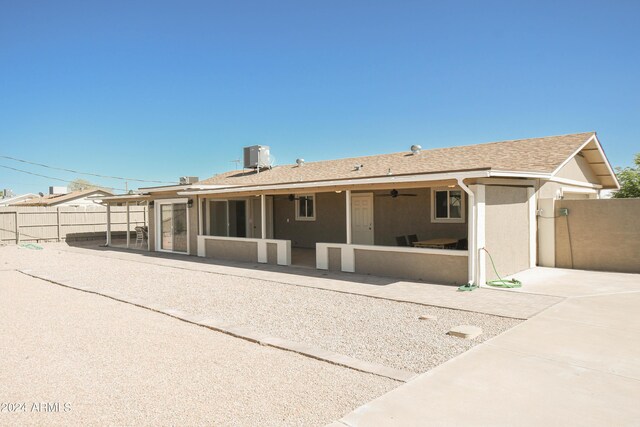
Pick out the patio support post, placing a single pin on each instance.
(348, 199)
(147, 221)
(263, 216)
(471, 233)
(108, 225)
(128, 225)
(200, 232)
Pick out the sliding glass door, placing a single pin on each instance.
(173, 227)
(228, 218)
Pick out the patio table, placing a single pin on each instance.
(441, 243)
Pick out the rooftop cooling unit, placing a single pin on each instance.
(256, 157)
(184, 180)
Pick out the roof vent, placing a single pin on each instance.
(358, 167)
(415, 149)
(300, 162)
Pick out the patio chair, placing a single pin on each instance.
(402, 241)
(141, 235)
(462, 244)
(412, 238)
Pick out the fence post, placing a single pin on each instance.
(108, 225)
(128, 225)
(17, 228)
(59, 225)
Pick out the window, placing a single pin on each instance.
(447, 205)
(305, 208)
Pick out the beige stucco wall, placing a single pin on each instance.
(335, 260)
(506, 229)
(578, 169)
(329, 225)
(445, 269)
(272, 253)
(152, 228)
(402, 215)
(193, 228)
(599, 235)
(231, 250)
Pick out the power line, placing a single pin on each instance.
(50, 177)
(86, 173)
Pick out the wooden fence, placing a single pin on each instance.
(43, 224)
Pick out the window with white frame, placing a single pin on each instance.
(447, 205)
(305, 207)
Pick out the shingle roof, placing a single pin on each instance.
(525, 155)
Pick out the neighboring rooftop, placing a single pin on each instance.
(542, 155)
(6, 201)
(57, 199)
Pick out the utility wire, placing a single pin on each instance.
(86, 173)
(50, 177)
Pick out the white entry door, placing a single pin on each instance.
(362, 218)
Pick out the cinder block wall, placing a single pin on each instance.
(599, 235)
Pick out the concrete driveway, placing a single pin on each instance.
(575, 363)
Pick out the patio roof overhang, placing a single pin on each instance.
(122, 198)
(343, 184)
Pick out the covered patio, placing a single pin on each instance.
(406, 228)
(136, 222)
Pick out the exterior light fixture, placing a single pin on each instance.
(190, 203)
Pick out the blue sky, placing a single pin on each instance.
(161, 89)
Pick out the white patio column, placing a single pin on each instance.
(480, 235)
(147, 223)
(128, 226)
(263, 216)
(200, 232)
(108, 224)
(348, 201)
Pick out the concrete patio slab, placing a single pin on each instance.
(617, 310)
(607, 349)
(572, 283)
(576, 363)
(491, 386)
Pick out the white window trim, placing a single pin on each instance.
(448, 220)
(297, 207)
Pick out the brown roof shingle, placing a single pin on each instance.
(525, 155)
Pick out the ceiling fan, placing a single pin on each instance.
(395, 193)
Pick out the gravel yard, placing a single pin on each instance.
(116, 364)
(375, 330)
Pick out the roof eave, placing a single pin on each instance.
(480, 173)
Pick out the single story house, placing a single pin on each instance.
(88, 197)
(355, 214)
(8, 201)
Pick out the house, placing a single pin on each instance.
(353, 214)
(8, 201)
(88, 197)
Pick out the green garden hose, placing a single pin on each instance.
(500, 283)
(31, 246)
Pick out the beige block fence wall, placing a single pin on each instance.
(44, 224)
(598, 235)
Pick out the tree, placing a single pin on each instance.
(79, 184)
(629, 179)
